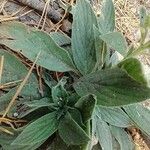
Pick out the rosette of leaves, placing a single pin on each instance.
(107, 77)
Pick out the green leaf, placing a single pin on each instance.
(140, 115)
(60, 39)
(99, 47)
(76, 115)
(39, 103)
(14, 70)
(134, 69)
(38, 130)
(114, 116)
(83, 43)
(123, 138)
(70, 132)
(30, 42)
(115, 59)
(59, 94)
(103, 134)
(6, 140)
(113, 87)
(107, 17)
(116, 41)
(143, 14)
(86, 106)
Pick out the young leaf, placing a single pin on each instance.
(106, 21)
(124, 140)
(134, 69)
(30, 42)
(59, 94)
(114, 116)
(70, 132)
(38, 130)
(113, 87)
(103, 133)
(116, 41)
(99, 47)
(140, 116)
(83, 44)
(86, 106)
(39, 103)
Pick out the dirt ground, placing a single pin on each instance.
(54, 18)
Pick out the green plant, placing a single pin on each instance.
(92, 99)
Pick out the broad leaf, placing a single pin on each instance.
(116, 41)
(113, 87)
(30, 42)
(86, 106)
(38, 131)
(83, 44)
(107, 17)
(6, 140)
(70, 132)
(114, 116)
(134, 69)
(124, 140)
(140, 114)
(103, 134)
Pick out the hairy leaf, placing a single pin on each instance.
(103, 134)
(116, 41)
(38, 130)
(6, 140)
(70, 132)
(86, 106)
(107, 17)
(113, 87)
(83, 44)
(59, 94)
(124, 140)
(30, 42)
(134, 69)
(140, 114)
(114, 116)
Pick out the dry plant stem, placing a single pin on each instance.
(9, 84)
(39, 6)
(2, 5)
(1, 67)
(20, 87)
(14, 18)
(45, 11)
(6, 131)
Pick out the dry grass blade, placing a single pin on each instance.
(6, 131)
(9, 84)
(44, 14)
(10, 18)
(1, 67)
(20, 87)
